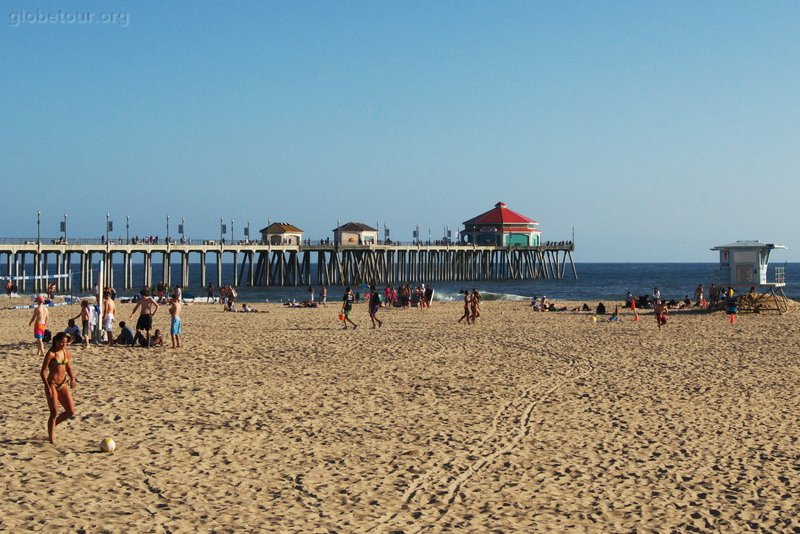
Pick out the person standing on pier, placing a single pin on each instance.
(39, 322)
(149, 307)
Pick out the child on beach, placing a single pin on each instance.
(661, 314)
(39, 322)
(175, 322)
(347, 307)
(374, 306)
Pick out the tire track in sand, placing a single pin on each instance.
(425, 492)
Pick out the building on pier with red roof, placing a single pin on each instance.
(502, 227)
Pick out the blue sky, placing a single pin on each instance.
(655, 130)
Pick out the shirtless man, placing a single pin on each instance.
(56, 375)
(175, 324)
(39, 322)
(109, 309)
(148, 310)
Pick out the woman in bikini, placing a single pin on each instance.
(58, 379)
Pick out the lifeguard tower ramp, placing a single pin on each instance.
(743, 265)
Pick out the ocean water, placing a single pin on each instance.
(595, 282)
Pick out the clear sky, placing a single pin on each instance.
(655, 129)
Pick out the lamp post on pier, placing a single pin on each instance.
(221, 230)
(38, 227)
(231, 231)
(181, 230)
(168, 229)
(64, 228)
(127, 230)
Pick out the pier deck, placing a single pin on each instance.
(258, 264)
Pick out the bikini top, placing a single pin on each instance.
(62, 362)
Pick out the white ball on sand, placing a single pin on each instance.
(108, 445)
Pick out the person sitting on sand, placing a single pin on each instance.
(58, 378)
(601, 309)
(157, 340)
(126, 336)
(74, 332)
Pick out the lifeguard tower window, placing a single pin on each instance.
(744, 274)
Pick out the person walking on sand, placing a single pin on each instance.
(374, 306)
(347, 307)
(149, 307)
(39, 322)
(210, 293)
(323, 295)
(467, 307)
(661, 314)
(475, 304)
(175, 322)
(56, 375)
(109, 309)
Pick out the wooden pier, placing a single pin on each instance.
(257, 264)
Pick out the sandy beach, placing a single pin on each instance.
(282, 421)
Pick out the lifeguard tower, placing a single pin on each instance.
(743, 266)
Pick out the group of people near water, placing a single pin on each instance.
(472, 306)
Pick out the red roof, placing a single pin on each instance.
(500, 215)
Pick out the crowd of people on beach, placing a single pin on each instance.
(59, 378)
